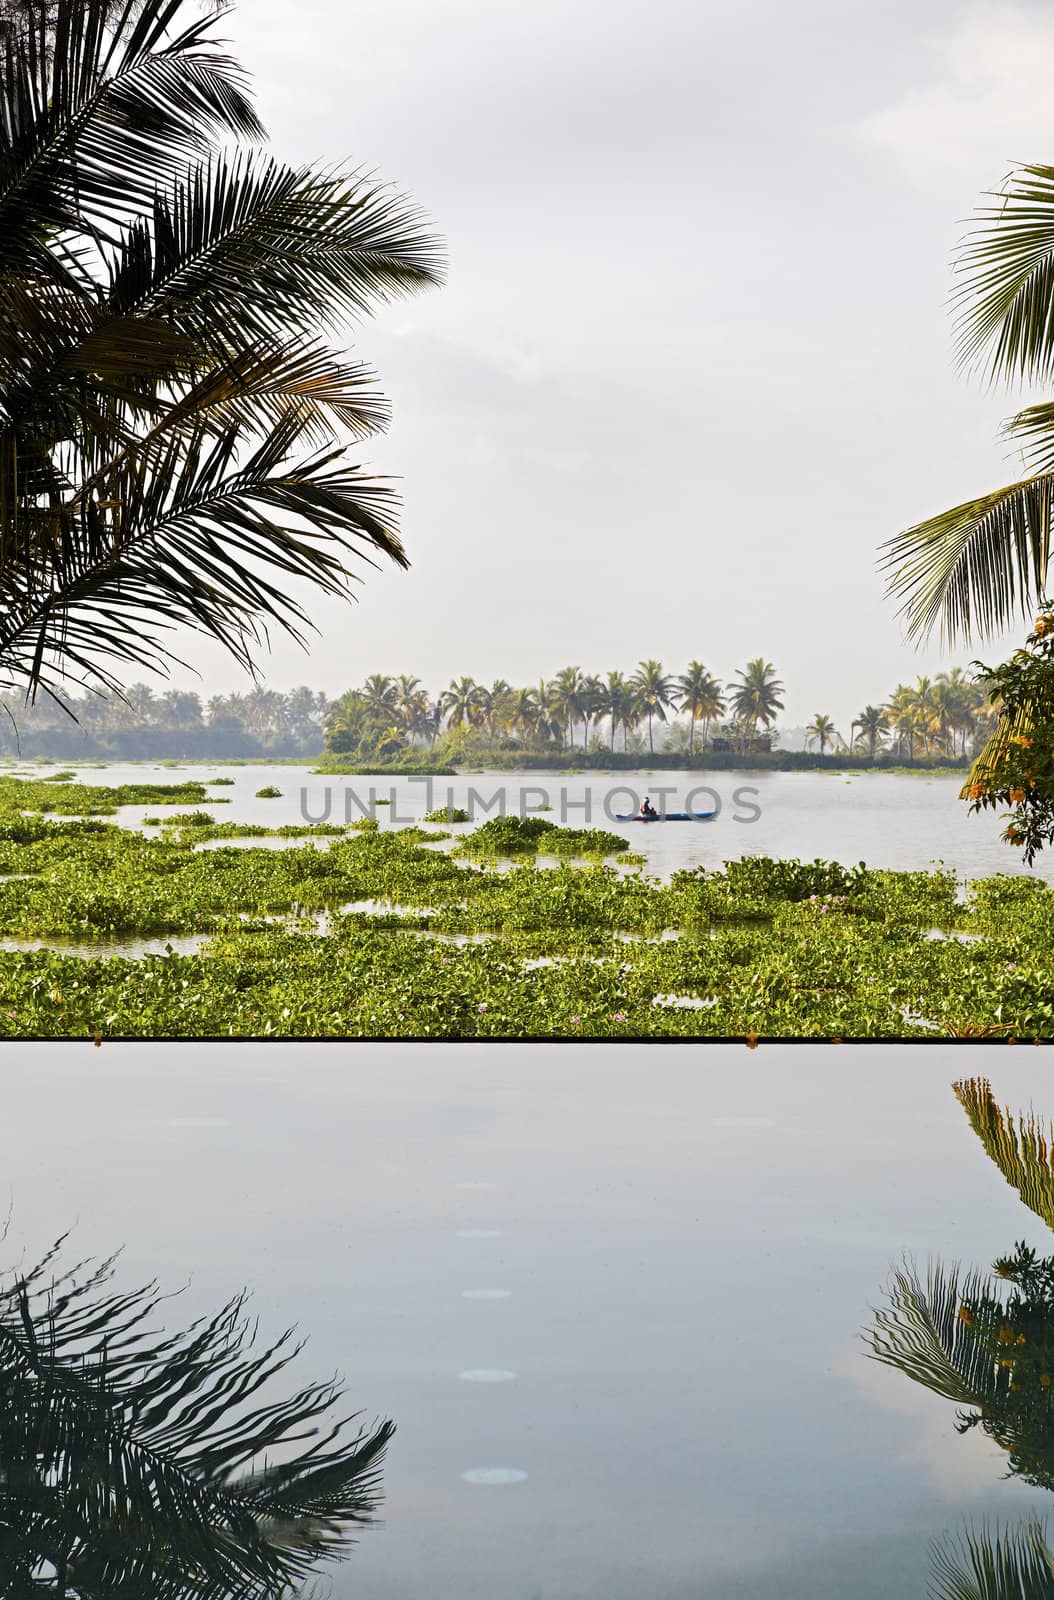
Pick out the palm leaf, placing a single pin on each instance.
(196, 540)
(1006, 292)
(99, 106)
(1020, 1147)
(978, 567)
(1010, 1564)
(247, 247)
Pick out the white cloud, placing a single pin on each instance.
(986, 106)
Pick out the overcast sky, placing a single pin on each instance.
(693, 363)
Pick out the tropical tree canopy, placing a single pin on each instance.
(974, 570)
(757, 694)
(142, 1463)
(174, 428)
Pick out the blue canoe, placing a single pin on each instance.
(672, 816)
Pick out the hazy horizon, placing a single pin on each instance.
(694, 360)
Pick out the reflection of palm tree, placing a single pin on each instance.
(139, 1464)
(987, 1341)
(1022, 1151)
(1009, 1564)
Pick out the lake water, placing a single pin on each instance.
(885, 819)
(679, 1248)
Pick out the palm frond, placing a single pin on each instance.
(1033, 430)
(246, 248)
(1005, 1564)
(922, 1334)
(100, 105)
(197, 540)
(978, 567)
(1021, 1147)
(1006, 290)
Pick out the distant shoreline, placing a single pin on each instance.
(578, 762)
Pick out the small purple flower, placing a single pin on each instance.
(573, 1019)
(620, 1016)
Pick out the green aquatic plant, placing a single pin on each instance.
(512, 836)
(447, 814)
(269, 792)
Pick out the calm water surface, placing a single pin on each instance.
(678, 1250)
(885, 819)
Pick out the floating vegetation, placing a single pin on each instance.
(447, 814)
(269, 791)
(365, 932)
(513, 836)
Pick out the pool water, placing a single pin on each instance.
(612, 1297)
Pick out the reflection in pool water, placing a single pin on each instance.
(985, 1341)
(674, 1254)
(137, 1464)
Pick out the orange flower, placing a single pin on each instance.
(976, 790)
(964, 1316)
(1016, 796)
(1007, 1361)
(1020, 1339)
(1044, 1379)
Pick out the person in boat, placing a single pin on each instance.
(647, 810)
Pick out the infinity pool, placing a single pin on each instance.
(612, 1298)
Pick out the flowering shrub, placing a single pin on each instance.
(1016, 767)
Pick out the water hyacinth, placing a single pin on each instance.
(364, 932)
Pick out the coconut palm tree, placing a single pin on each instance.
(133, 1466)
(548, 713)
(571, 699)
(974, 569)
(873, 725)
(757, 695)
(173, 427)
(347, 722)
(653, 695)
(493, 707)
(461, 703)
(381, 697)
(409, 700)
(699, 693)
(822, 729)
(613, 699)
(961, 698)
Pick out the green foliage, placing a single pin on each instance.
(269, 792)
(443, 814)
(370, 931)
(173, 426)
(512, 836)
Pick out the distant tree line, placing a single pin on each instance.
(388, 719)
(143, 723)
